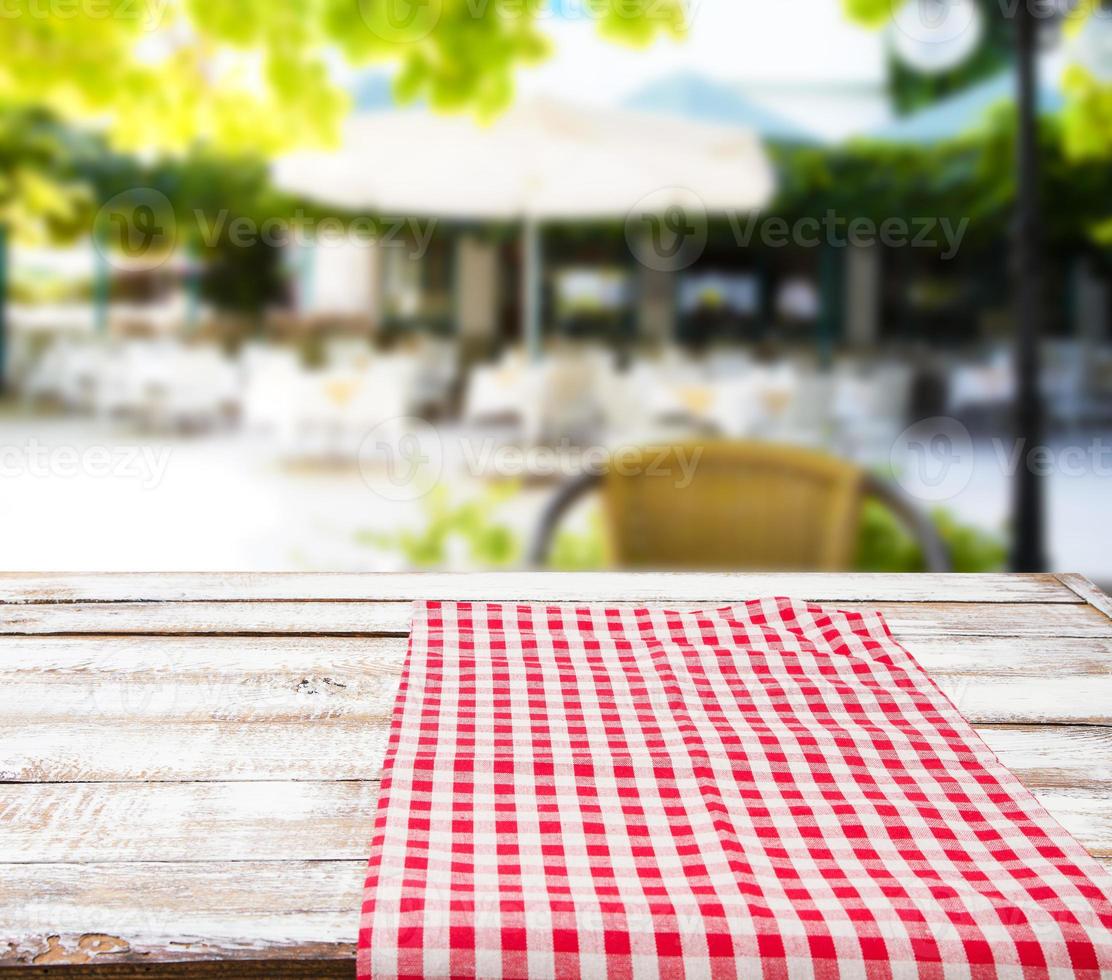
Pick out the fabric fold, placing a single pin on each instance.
(772, 789)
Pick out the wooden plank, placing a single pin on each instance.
(543, 586)
(300, 697)
(280, 910)
(295, 965)
(90, 679)
(1032, 700)
(296, 697)
(248, 919)
(219, 909)
(62, 688)
(90, 708)
(91, 655)
(300, 963)
(249, 821)
(392, 618)
(1086, 590)
(272, 821)
(1054, 757)
(154, 750)
(304, 698)
(1009, 656)
(1067, 756)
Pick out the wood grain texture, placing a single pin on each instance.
(1067, 756)
(372, 618)
(87, 656)
(206, 904)
(188, 762)
(250, 821)
(102, 823)
(191, 913)
(80, 684)
(1087, 591)
(540, 586)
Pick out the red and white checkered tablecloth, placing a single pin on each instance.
(770, 790)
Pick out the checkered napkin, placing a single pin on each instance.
(769, 790)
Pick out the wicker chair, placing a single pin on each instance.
(734, 506)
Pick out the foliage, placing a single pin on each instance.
(883, 544)
(41, 195)
(211, 195)
(32, 287)
(242, 279)
(1086, 132)
(881, 181)
(911, 90)
(258, 74)
(454, 530)
(203, 198)
(55, 178)
(244, 79)
(579, 551)
(970, 548)
(1087, 116)
(972, 178)
(870, 13)
(470, 531)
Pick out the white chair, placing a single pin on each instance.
(388, 392)
(562, 401)
(273, 381)
(735, 408)
(84, 367)
(808, 418)
(43, 378)
(494, 393)
(347, 352)
(871, 408)
(202, 390)
(729, 364)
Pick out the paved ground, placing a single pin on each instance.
(79, 494)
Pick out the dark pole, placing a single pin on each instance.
(3, 309)
(1028, 552)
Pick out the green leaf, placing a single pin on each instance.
(869, 13)
(254, 74)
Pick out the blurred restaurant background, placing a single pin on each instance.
(739, 295)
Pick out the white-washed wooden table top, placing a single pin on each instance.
(189, 763)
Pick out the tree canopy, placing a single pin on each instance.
(261, 74)
(1087, 120)
(43, 196)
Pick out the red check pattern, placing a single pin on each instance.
(770, 790)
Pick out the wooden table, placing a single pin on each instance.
(190, 762)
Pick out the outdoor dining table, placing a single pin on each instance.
(190, 762)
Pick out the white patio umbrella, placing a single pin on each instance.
(540, 161)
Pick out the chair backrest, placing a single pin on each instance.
(731, 505)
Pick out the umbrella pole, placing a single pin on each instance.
(3, 309)
(531, 261)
